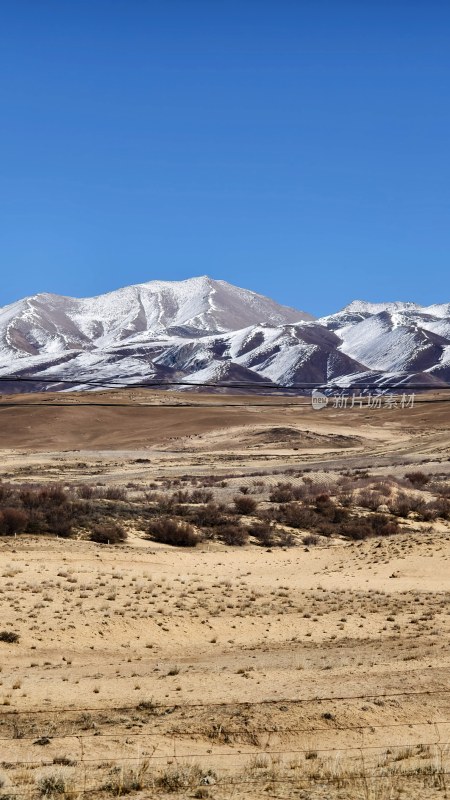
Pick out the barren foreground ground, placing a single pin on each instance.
(315, 670)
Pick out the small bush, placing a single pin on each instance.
(85, 491)
(115, 493)
(175, 779)
(263, 532)
(417, 478)
(209, 516)
(9, 637)
(286, 492)
(297, 516)
(52, 784)
(233, 535)
(367, 498)
(12, 520)
(201, 496)
(245, 504)
(404, 503)
(310, 539)
(108, 534)
(174, 532)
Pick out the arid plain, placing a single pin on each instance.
(298, 648)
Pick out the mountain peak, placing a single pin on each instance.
(366, 307)
(202, 330)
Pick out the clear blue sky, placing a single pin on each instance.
(300, 149)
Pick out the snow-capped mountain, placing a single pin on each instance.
(207, 331)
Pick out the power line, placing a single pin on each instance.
(120, 383)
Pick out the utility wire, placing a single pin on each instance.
(119, 383)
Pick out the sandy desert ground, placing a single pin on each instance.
(316, 669)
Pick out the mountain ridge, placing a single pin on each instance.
(207, 330)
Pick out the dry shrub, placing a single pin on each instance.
(245, 504)
(174, 532)
(12, 520)
(60, 521)
(439, 508)
(263, 532)
(233, 535)
(297, 516)
(5, 491)
(367, 498)
(417, 478)
(403, 504)
(111, 533)
(286, 492)
(115, 493)
(10, 637)
(85, 491)
(196, 496)
(374, 525)
(310, 539)
(201, 496)
(210, 516)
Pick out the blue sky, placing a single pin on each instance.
(299, 149)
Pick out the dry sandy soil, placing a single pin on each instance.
(223, 672)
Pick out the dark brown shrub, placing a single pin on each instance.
(437, 508)
(310, 539)
(417, 478)
(60, 521)
(201, 496)
(233, 535)
(170, 531)
(5, 492)
(52, 496)
(209, 516)
(85, 491)
(297, 516)
(111, 533)
(9, 637)
(12, 520)
(263, 532)
(285, 539)
(245, 504)
(404, 503)
(367, 498)
(286, 492)
(382, 525)
(355, 529)
(181, 496)
(115, 493)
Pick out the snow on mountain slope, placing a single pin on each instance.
(51, 323)
(202, 330)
